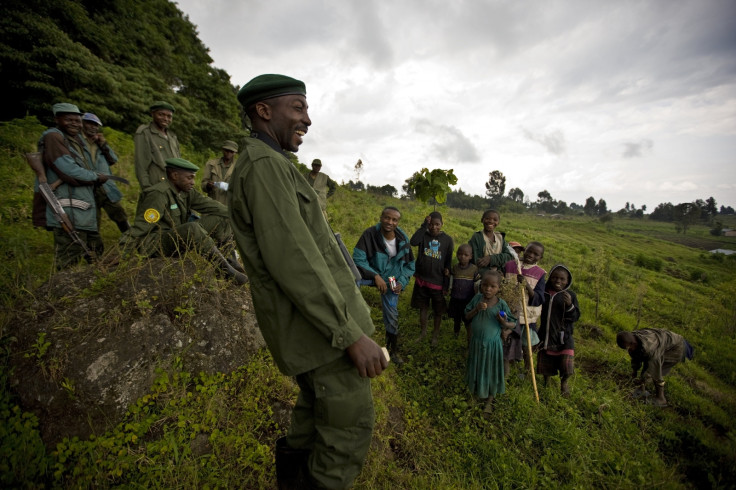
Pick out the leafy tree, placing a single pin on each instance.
(461, 200)
(495, 187)
(516, 194)
(385, 190)
(407, 188)
(589, 207)
(356, 186)
(601, 208)
(727, 210)
(433, 184)
(358, 169)
(685, 214)
(710, 208)
(663, 212)
(545, 202)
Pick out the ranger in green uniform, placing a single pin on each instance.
(162, 226)
(313, 317)
(322, 184)
(218, 172)
(154, 143)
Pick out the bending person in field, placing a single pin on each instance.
(655, 351)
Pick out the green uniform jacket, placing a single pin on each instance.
(103, 167)
(498, 261)
(68, 159)
(152, 149)
(308, 306)
(323, 186)
(216, 171)
(161, 209)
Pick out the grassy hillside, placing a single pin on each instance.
(218, 431)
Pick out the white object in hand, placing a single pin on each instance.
(221, 185)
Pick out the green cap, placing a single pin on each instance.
(268, 86)
(160, 104)
(65, 108)
(317, 162)
(230, 145)
(181, 164)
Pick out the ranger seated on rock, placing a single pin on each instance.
(162, 226)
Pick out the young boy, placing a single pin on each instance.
(383, 252)
(434, 258)
(559, 313)
(532, 279)
(462, 287)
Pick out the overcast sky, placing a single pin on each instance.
(629, 101)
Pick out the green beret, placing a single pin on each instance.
(65, 108)
(160, 104)
(317, 161)
(181, 164)
(230, 145)
(265, 87)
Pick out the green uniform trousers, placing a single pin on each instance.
(200, 235)
(333, 418)
(114, 210)
(68, 253)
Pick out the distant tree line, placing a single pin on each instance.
(114, 58)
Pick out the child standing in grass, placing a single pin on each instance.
(462, 286)
(532, 279)
(432, 272)
(559, 314)
(484, 375)
(490, 251)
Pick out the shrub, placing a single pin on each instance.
(651, 263)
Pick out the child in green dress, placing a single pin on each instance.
(490, 315)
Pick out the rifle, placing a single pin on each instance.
(348, 258)
(34, 161)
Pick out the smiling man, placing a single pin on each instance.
(72, 175)
(312, 316)
(162, 226)
(154, 143)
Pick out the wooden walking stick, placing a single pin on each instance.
(528, 339)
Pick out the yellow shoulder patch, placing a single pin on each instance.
(151, 215)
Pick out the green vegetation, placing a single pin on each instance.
(195, 430)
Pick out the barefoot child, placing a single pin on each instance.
(489, 248)
(462, 287)
(432, 272)
(559, 313)
(532, 279)
(485, 354)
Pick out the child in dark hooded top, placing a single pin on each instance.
(556, 324)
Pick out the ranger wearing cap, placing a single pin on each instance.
(154, 143)
(73, 177)
(107, 196)
(309, 309)
(162, 226)
(217, 173)
(322, 184)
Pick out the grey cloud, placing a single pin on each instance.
(553, 141)
(449, 143)
(637, 149)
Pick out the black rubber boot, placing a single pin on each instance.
(231, 273)
(392, 344)
(291, 467)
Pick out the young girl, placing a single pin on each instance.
(462, 285)
(484, 375)
(532, 278)
(489, 248)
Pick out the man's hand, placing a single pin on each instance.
(101, 178)
(566, 298)
(367, 357)
(398, 288)
(100, 140)
(380, 284)
(484, 261)
(209, 186)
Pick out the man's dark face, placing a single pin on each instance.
(227, 154)
(289, 120)
(90, 129)
(162, 118)
(70, 124)
(183, 180)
